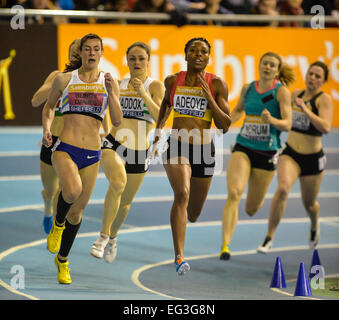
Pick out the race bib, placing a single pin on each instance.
(86, 98)
(190, 102)
(255, 129)
(131, 104)
(300, 120)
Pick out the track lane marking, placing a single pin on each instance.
(136, 273)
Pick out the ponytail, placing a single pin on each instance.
(73, 65)
(74, 57)
(286, 74)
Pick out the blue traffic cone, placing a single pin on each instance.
(278, 278)
(315, 262)
(303, 286)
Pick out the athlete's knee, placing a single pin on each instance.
(74, 217)
(124, 208)
(251, 211)
(193, 217)
(252, 208)
(282, 191)
(311, 206)
(71, 194)
(234, 194)
(181, 196)
(193, 212)
(74, 214)
(117, 184)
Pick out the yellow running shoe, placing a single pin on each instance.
(64, 276)
(54, 238)
(225, 253)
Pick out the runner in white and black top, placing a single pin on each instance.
(125, 148)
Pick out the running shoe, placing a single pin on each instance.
(64, 276)
(225, 253)
(266, 245)
(314, 238)
(182, 266)
(111, 250)
(47, 224)
(54, 238)
(98, 247)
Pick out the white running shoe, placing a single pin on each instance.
(111, 250)
(98, 247)
(314, 238)
(182, 266)
(266, 246)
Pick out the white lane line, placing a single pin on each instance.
(30, 153)
(136, 273)
(27, 153)
(101, 175)
(297, 195)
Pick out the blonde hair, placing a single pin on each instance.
(286, 73)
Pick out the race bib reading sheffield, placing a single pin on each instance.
(190, 102)
(255, 129)
(86, 97)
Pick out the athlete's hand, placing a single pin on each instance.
(266, 116)
(110, 83)
(47, 138)
(154, 149)
(300, 103)
(205, 87)
(138, 86)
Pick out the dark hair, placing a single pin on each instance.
(187, 45)
(141, 45)
(323, 66)
(76, 63)
(90, 36)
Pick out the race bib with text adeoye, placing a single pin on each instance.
(190, 102)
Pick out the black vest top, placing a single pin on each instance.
(301, 123)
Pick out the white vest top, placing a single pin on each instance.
(89, 99)
(132, 105)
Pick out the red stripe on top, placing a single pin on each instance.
(272, 87)
(180, 81)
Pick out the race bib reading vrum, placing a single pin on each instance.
(255, 129)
